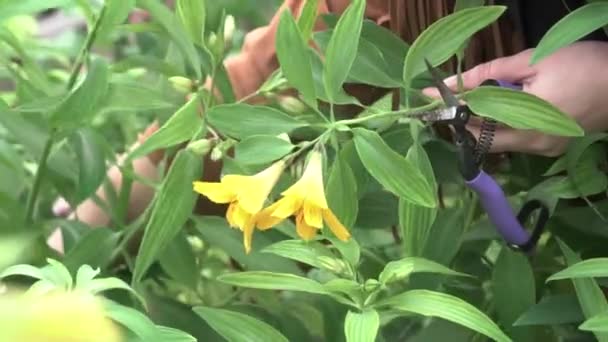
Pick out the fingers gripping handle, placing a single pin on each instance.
(499, 211)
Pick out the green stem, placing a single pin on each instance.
(404, 112)
(48, 145)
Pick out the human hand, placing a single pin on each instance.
(574, 79)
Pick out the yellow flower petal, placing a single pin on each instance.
(287, 206)
(230, 215)
(253, 190)
(248, 234)
(335, 225)
(312, 215)
(216, 192)
(240, 217)
(265, 220)
(305, 231)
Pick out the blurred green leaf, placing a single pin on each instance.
(130, 96)
(350, 249)
(393, 171)
(134, 320)
(342, 48)
(172, 206)
(401, 269)
(311, 253)
(237, 327)
(552, 310)
(179, 262)
(590, 296)
(272, 281)
(241, 120)
(598, 323)
(341, 193)
(521, 110)
(590, 268)
(95, 248)
(11, 163)
(442, 39)
(182, 126)
(167, 334)
(88, 145)
(261, 149)
(193, 14)
(292, 52)
(11, 8)
(361, 327)
(571, 28)
(448, 307)
(83, 102)
(308, 18)
(117, 11)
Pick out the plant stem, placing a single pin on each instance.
(404, 112)
(48, 145)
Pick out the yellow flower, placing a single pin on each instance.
(246, 196)
(306, 201)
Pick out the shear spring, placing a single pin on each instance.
(486, 138)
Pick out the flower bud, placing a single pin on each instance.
(229, 27)
(137, 72)
(201, 147)
(371, 285)
(181, 84)
(216, 153)
(292, 104)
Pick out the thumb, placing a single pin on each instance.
(513, 68)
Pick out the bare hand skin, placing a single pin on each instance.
(574, 79)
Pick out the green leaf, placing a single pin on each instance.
(132, 319)
(88, 146)
(311, 253)
(513, 295)
(173, 205)
(415, 220)
(342, 48)
(95, 248)
(590, 296)
(401, 269)
(23, 270)
(10, 8)
(241, 120)
(571, 28)
(344, 286)
(361, 327)
(445, 37)
(85, 274)
(308, 18)
(464, 4)
(349, 250)
(95, 286)
(598, 323)
(579, 155)
(83, 102)
(11, 162)
(133, 97)
(392, 47)
(341, 193)
(590, 268)
(448, 307)
(341, 97)
(175, 30)
(521, 110)
(167, 334)
(261, 149)
(552, 310)
(391, 170)
(272, 281)
(292, 52)
(58, 274)
(117, 11)
(179, 262)
(192, 14)
(237, 327)
(182, 126)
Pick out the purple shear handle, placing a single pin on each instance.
(499, 210)
(505, 84)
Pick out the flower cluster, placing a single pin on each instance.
(246, 196)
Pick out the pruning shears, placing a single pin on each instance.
(509, 225)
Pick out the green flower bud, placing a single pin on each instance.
(292, 104)
(229, 27)
(201, 147)
(216, 153)
(181, 84)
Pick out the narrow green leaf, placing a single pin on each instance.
(311, 253)
(342, 48)
(598, 323)
(308, 18)
(182, 126)
(590, 296)
(521, 110)
(176, 31)
(10, 8)
(192, 14)
(238, 327)
(393, 171)
(344, 286)
(571, 28)
(117, 11)
(442, 39)
(261, 149)
(83, 102)
(401, 269)
(341, 97)
(292, 52)
(85, 274)
(513, 295)
(341, 193)
(95, 286)
(241, 120)
(23, 270)
(90, 154)
(58, 274)
(552, 310)
(132, 319)
(167, 334)
(133, 97)
(590, 268)
(272, 281)
(172, 207)
(361, 327)
(179, 262)
(350, 250)
(95, 248)
(448, 307)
